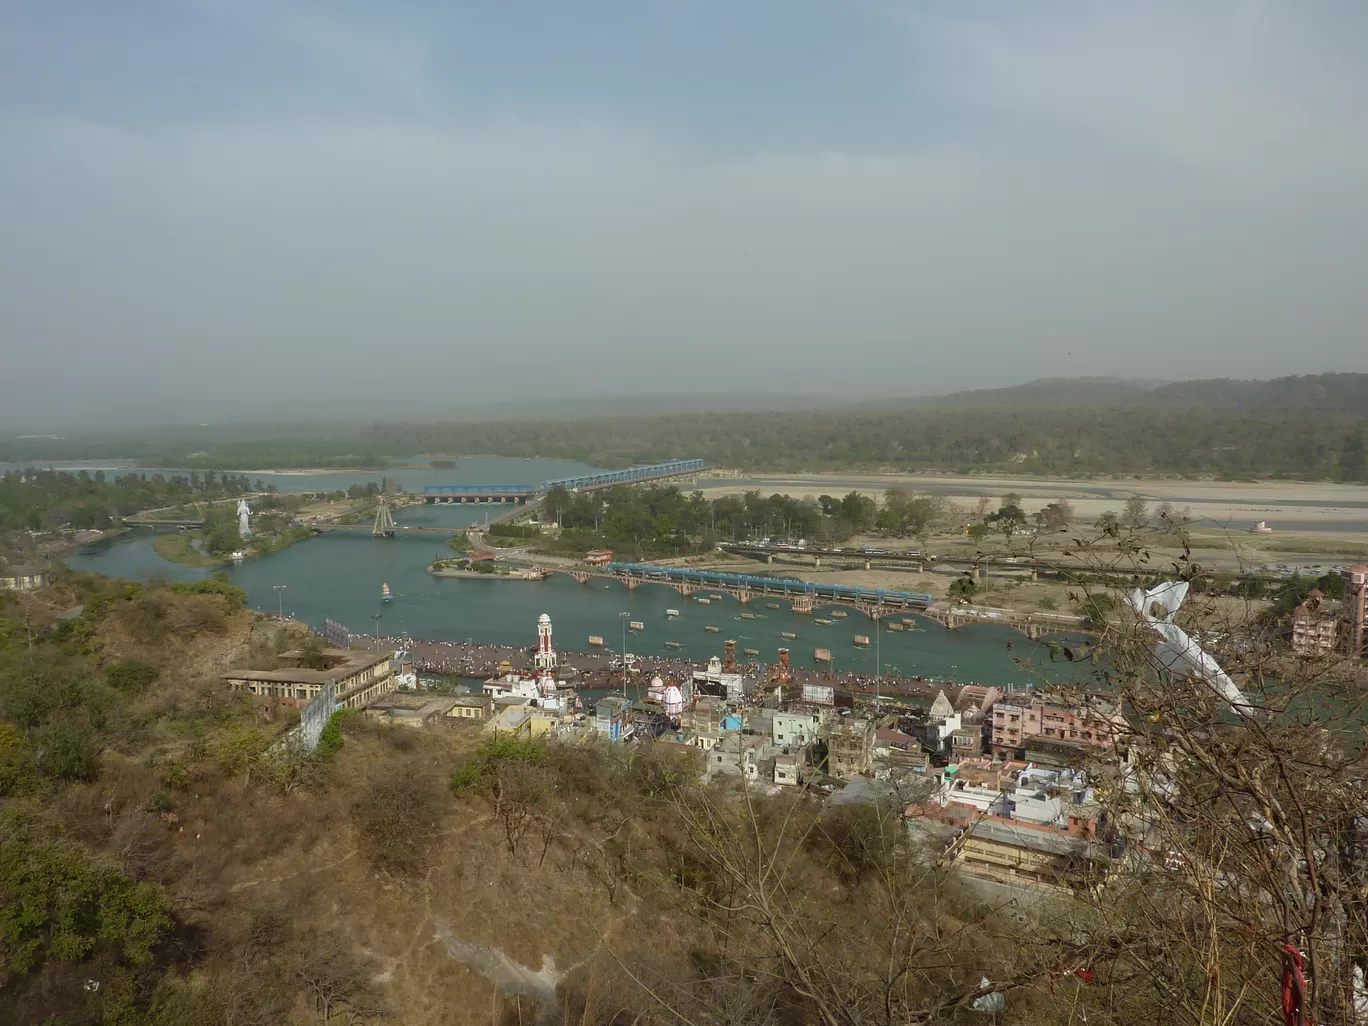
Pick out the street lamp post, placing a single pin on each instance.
(279, 589)
(624, 617)
(377, 617)
(878, 662)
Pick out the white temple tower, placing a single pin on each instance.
(244, 519)
(545, 658)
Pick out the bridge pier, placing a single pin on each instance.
(632, 583)
(819, 562)
(743, 596)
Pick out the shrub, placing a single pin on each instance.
(66, 750)
(132, 676)
(58, 901)
(396, 816)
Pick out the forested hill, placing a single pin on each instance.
(1313, 428)
(1311, 394)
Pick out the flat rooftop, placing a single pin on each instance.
(342, 662)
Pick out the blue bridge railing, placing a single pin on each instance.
(463, 489)
(785, 585)
(670, 468)
(650, 472)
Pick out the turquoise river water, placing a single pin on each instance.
(339, 575)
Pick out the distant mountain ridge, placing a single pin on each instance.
(1311, 393)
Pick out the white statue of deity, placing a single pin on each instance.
(244, 520)
(1176, 651)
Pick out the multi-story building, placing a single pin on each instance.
(850, 747)
(1356, 609)
(738, 754)
(795, 728)
(1314, 630)
(23, 578)
(360, 677)
(1096, 724)
(612, 717)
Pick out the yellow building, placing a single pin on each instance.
(361, 677)
(1023, 854)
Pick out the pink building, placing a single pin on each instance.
(1095, 724)
(1313, 632)
(1356, 609)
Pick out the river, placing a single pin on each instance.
(339, 575)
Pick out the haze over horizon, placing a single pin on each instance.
(241, 200)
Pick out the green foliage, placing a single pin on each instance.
(34, 499)
(331, 738)
(59, 901)
(16, 761)
(1098, 609)
(978, 532)
(311, 654)
(223, 539)
(132, 676)
(219, 584)
(458, 543)
(67, 750)
(514, 530)
(963, 587)
(498, 751)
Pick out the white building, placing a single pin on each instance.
(713, 681)
(796, 728)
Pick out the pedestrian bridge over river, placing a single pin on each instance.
(520, 493)
(804, 596)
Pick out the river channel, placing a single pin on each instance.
(339, 575)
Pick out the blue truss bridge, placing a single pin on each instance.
(520, 493)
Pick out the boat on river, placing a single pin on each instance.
(672, 612)
(636, 625)
(385, 595)
(840, 614)
(703, 601)
(824, 623)
(862, 640)
(596, 640)
(711, 629)
(771, 605)
(787, 634)
(750, 616)
(671, 644)
(750, 651)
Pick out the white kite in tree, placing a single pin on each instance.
(1177, 652)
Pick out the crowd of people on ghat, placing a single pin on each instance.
(482, 660)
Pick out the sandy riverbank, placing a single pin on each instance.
(1237, 504)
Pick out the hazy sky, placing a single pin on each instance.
(276, 199)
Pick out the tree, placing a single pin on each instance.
(338, 978)
(1009, 520)
(1055, 516)
(311, 654)
(1136, 510)
(558, 502)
